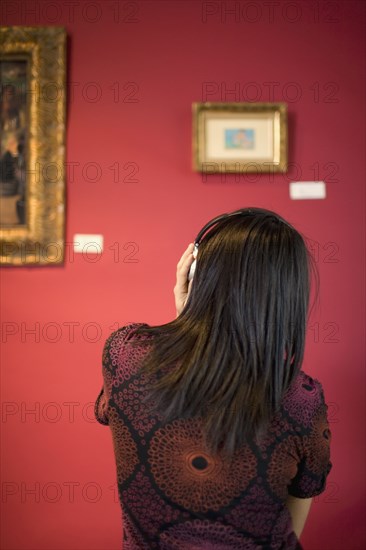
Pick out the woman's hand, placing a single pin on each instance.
(182, 288)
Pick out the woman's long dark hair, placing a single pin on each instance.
(238, 344)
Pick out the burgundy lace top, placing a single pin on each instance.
(176, 496)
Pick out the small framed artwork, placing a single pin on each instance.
(32, 149)
(239, 137)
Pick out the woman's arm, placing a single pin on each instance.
(299, 509)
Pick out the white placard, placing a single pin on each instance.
(88, 243)
(307, 190)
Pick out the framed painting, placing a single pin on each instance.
(239, 137)
(32, 145)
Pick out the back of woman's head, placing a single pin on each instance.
(252, 276)
(239, 341)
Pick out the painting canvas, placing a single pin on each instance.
(13, 141)
(240, 138)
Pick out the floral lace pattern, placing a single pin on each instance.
(175, 495)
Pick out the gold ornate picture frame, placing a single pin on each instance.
(239, 137)
(32, 145)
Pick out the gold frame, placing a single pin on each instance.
(202, 112)
(40, 240)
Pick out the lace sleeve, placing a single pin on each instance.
(112, 347)
(315, 464)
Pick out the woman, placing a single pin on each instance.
(220, 439)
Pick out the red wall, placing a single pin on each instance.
(58, 471)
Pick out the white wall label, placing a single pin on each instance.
(307, 190)
(88, 243)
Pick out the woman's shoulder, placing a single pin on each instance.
(126, 331)
(304, 398)
(310, 383)
(117, 350)
(123, 334)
